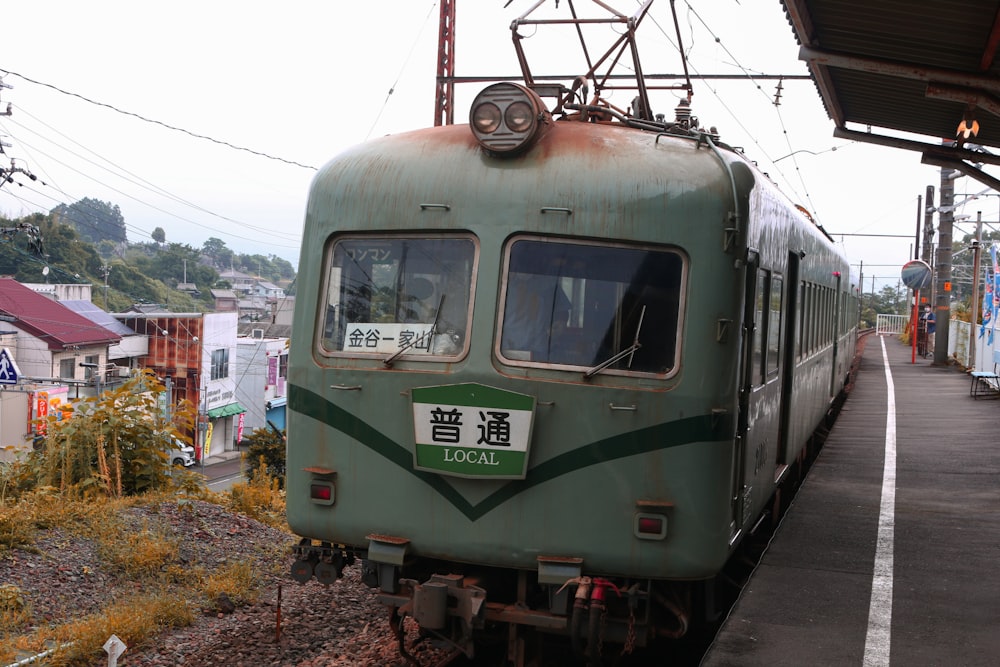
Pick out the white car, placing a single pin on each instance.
(181, 455)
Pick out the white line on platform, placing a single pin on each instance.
(878, 639)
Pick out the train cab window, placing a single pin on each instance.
(589, 307)
(405, 296)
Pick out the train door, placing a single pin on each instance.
(760, 389)
(837, 305)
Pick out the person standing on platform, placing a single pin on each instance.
(928, 322)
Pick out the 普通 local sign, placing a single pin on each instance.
(472, 430)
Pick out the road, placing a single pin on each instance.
(222, 475)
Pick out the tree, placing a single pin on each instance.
(212, 248)
(68, 260)
(268, 444)
(107, 249)
(159, 235)
(284, 267)
(115, 444)
(94, 220)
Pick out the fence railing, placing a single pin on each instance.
(891, 324)
(958, 341)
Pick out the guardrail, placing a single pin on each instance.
(891, 324)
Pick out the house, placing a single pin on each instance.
(192, 352)
(63, 291)
(262, 366)
(240, 282)
(52, 340)
(269, 291)
(123, 356)
(284, 311)
(226, 300)
(254, 309)
(59, 355)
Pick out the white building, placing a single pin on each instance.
(262, 366)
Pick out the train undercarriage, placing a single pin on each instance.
(521, 614)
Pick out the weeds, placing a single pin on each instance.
(138, 554)
(236, 580)
(260, 498)
(147, 556)
(134, 621)
(16, 528)
(14, 609)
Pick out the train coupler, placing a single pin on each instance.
(446, 595)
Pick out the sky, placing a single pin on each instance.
(210, 118)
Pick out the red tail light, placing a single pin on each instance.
(322, 493)
(650, 526)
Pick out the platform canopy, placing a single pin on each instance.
(886, 67)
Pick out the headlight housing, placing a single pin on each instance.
(507, 118)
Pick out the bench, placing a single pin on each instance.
(986, 383)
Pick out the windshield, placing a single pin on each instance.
(409, 297)
(581, 304)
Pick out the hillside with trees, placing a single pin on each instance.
(86, 242)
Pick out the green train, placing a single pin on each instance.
(549, 369)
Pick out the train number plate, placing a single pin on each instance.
(472, 430)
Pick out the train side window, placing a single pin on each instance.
(759, 343)
(404, 294)
(803, 305)
(577, 304)
(774, 325)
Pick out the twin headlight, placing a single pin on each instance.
(507, 118)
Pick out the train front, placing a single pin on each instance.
(511, 380)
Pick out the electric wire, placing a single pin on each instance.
(143, 202)
(157, 122)
(131, 176)
(406, 61)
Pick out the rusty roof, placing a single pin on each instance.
(887, 67)
(56, 325)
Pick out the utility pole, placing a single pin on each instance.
(973, 308)
(928, 225)
(106, 269)
(926, 256)
(942, 294)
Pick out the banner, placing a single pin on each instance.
(208, 440)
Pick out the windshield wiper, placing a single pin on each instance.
(427, 334)
(621, 355)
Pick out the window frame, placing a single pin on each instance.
(328, 271)
(681, 300)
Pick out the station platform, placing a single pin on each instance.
(890, 551)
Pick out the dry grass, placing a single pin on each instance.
(148, 556)
(236, 580)
(133, 621)
(14, 610)
(261, 498)
(143, 553)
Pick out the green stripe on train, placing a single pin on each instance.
(700, 428)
